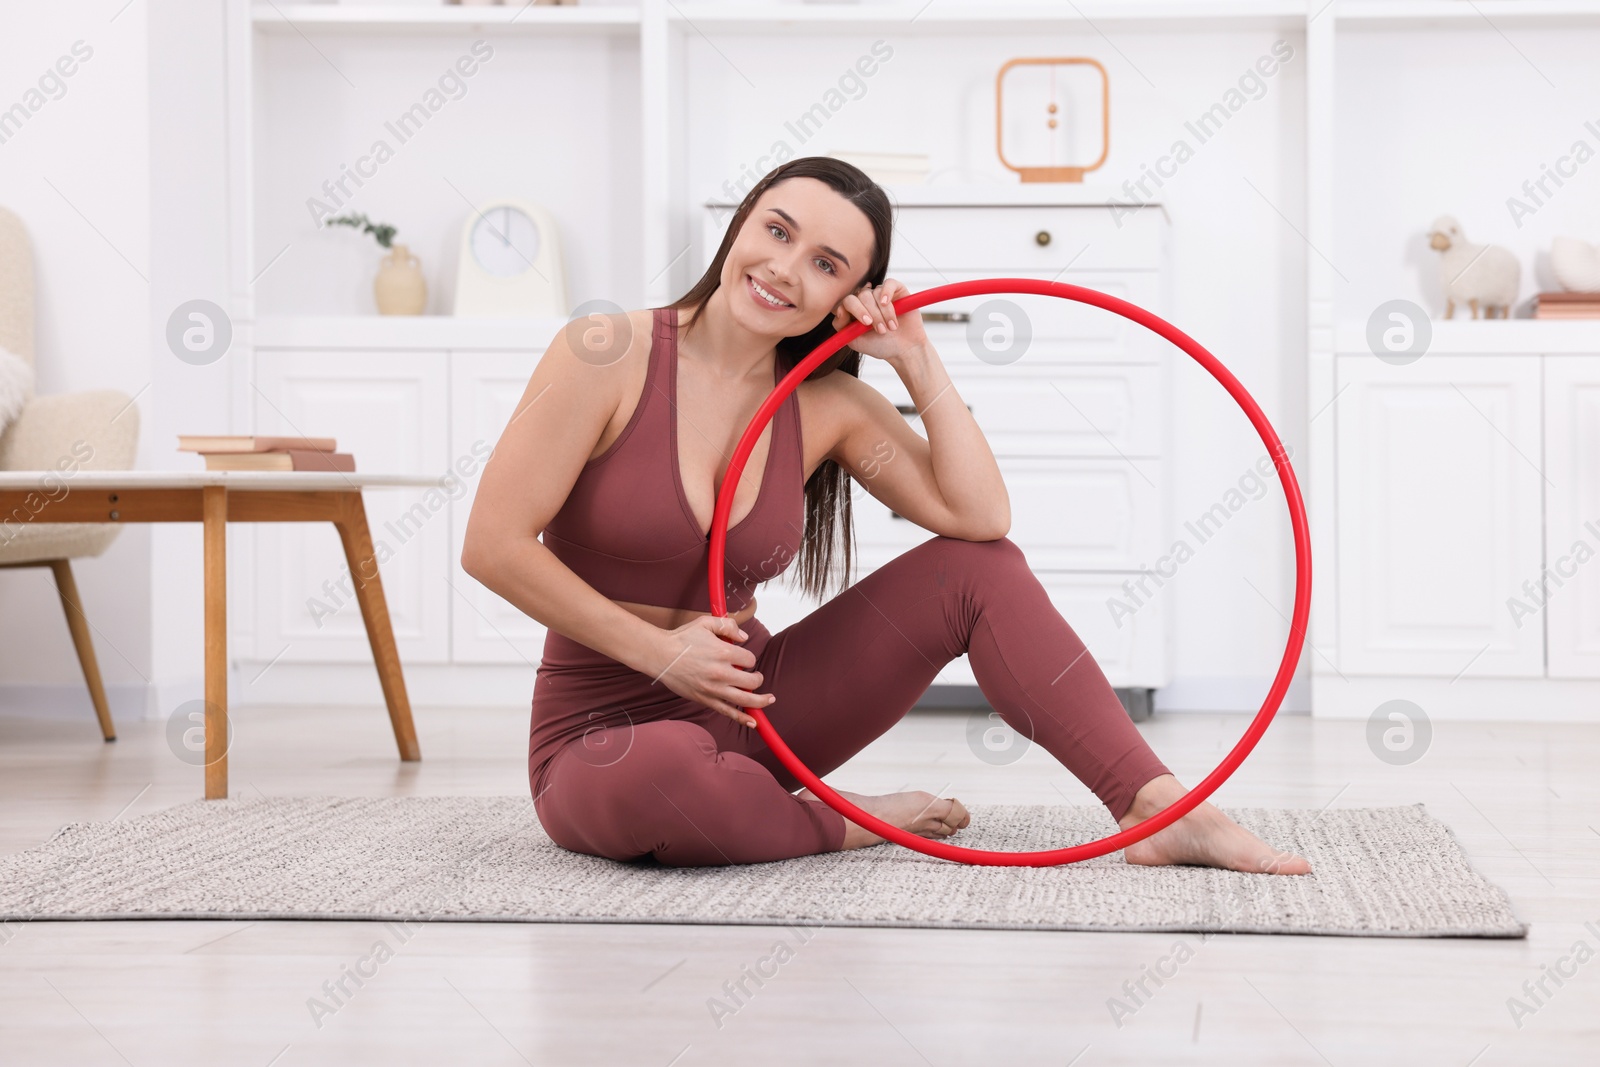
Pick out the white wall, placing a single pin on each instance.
(190, 243)
(1238, 266)
(77, 172)
(512, 128)
(137, 107)
(1458, 134)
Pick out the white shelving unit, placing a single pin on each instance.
(649, 176)
(1441, 487)
(398, 18)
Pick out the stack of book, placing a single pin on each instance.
(235, 452)
(1567, 306)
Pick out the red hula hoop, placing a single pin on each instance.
(1297, 626)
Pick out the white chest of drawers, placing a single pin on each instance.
(1078, 424)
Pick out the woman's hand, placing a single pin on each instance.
(710, 671)
(890, 336)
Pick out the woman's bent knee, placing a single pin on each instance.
(978, 559)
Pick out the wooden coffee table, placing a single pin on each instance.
(216, 498)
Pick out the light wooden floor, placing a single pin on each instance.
(1523, 800)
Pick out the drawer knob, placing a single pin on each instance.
(1041, 238)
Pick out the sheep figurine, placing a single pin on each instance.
(1474, 274)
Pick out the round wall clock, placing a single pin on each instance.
(510, 262)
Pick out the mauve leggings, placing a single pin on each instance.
(661, 775)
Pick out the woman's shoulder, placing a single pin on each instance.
(836, 388)
(602, 339)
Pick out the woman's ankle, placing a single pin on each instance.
(1154, 797)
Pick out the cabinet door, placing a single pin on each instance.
(1572, 517)
(484, 390)
(1439, 518)
(388, 409)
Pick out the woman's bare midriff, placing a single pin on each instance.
(672, 618)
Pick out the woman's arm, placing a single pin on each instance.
(543, 448)
(948, 482)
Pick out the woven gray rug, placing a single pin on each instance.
(1376, 872)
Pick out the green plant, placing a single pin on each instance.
(382, 233)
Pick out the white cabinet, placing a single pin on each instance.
(429, 396)
(1571, 587)
(484, 390)
(1440, 517)
(388, 409)
(1465, 566)
(1076, 423)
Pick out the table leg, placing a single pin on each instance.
(363, 563)
(214, 513)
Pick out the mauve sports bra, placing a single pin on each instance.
(627, 529)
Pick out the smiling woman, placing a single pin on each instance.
(639, 742)
(811, 187)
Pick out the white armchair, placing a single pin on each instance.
(64, 433)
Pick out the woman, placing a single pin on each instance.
(640, 742)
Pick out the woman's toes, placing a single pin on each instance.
(957, 817)
(1284, 863)
(949, 816)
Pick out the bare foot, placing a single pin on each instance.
(1205, 837)
(918, 812)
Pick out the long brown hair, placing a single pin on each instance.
(828, 519)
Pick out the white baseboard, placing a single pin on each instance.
(1242, 694)
(127, 702)
(1463, 700)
